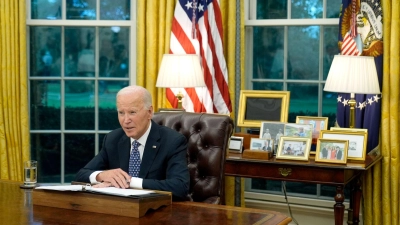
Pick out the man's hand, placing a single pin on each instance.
(116, 178)
(102, 185)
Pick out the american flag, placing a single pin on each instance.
(197, 29)
(362, 35)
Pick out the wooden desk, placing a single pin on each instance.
(16, 209)
(309, 172)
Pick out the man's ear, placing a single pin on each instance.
(151, 112)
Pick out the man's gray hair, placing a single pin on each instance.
(143, 92)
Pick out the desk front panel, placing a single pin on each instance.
(296, 172)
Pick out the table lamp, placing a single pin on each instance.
(180, 71)
(354, 75)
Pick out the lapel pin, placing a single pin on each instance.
(154, 146)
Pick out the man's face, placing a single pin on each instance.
(133, 117)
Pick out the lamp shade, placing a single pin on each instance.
(180, 71)
(353, 74)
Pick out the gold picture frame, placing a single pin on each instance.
(349, 129)
(357, 148)
(318, 124)
(258, 106)
(261, 144)
(332, 151)
(293, 148)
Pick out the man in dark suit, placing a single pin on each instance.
(163, 164)
(339, 153)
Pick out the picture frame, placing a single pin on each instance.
(275, 131)
(261, 144)
(349, 129)
(298, 130)
(331, 151)
(257, 106)
(293, 148)
(317, 123)
(357, 142)
(236, 144)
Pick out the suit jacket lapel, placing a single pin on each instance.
(124, 148)
(150, 150)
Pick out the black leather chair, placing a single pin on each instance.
(208, 139)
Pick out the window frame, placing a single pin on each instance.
(250, 21)
(63, 22)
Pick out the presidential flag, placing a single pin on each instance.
(197, 29)
(360, 33)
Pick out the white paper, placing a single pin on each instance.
(106, 190)
(235, 144)
(119, 191)
(62, 187)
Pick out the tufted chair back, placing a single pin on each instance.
(208, 139)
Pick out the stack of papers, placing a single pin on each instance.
(106, 190)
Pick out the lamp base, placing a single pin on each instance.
(179, 96)
(352, 104)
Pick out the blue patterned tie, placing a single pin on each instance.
(134, 160)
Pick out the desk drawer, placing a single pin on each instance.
(289, 172)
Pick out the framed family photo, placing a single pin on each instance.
(294, 148)
(272, 130)
(298, 130)
(258, 106)
(357, 142)
(317, 124)
(331, 151)
(261, 144)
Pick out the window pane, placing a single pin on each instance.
(307, 9)
(333, 8)
(108, 118)
(330, 192)
(266, 185)
(330, 47)
(114, 55)
(268, 53)
(46, 9)
(45, 105)
(329, 105)
(303, 100)
(276, 9)
(303, 52)
(45, 51)
(301, 188)
(115, 9)
(46, 149)
(79, 52)
(268, 86)
(79, 150)
(81, 9)
(101, 139)
(79, 105)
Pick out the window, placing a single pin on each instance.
(290, 45)
(80, 54)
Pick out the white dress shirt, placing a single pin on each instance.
(135, 181)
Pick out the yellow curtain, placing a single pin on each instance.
(14, 122)
(153, 38)
(381, 186)
(228, 9)
(154, 19)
